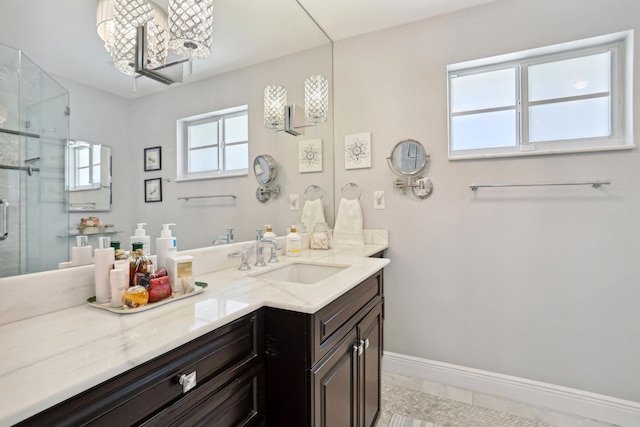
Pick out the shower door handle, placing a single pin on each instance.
(4, 213)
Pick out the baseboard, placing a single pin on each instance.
(537, 394)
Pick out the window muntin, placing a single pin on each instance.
(84, 166)
(215, 144)
(568, 97)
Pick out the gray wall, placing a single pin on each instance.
(538, 283)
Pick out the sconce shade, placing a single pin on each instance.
(191, 27)
(105, 24)
(316, 99)
(275, 99)
(128, 15)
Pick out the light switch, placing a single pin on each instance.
(378, 199)
(294, 202)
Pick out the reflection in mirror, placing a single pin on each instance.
(409, 160)
(264, 168)
(88, 175)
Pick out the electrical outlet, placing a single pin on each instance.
(294, 202)
(378, 199)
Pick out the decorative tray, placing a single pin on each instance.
(176, 296)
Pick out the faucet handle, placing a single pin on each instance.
(244, 265)
(259, 233)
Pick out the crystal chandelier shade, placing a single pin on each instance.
(316, 99)
(128, 16)
(275, 99)
(105, 24)
(191, 27)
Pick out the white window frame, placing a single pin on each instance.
(183, 147)
(621, 91)
(73, 172)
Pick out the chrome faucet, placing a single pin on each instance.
(224, 239)
(259, 241)
(244, 264)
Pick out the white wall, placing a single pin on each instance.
(153, 122)
(129, 126)
(539, 283)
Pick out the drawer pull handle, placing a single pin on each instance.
(359, 347)
(188, 381)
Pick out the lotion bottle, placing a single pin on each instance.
(82, 253)
(294, 242)
(141, 237)
(166, 246)
(104, 259)
(269, 234)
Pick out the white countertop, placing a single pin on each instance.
(47, 359)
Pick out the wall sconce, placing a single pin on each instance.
(293, 118)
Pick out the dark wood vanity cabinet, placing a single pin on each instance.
(229, 391)
(272, 367)
(323, 369)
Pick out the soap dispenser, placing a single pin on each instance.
(294, 242)
(141, 237)
(166, 246)
(269, 234)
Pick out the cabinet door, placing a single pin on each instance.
(334, 386)
(369, 397)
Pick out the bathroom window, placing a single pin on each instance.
(84, 165)
(562, 98)
(214, 145)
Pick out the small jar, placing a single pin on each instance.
(320, 238)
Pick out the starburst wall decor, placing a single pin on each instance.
(310, 156)
(357, 151)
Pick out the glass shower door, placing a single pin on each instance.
(34, 128)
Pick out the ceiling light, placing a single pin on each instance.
(138, 33)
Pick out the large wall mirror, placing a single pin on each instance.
(88, 176)
(256, 43)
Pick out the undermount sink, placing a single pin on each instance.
(304, 273)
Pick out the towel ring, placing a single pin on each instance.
(313, 187)
(351, 185)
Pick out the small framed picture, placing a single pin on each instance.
(152, 159)
(153, 190)
(310, 155)
(357, 151)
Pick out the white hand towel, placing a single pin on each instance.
(348, 228)
(312, 213)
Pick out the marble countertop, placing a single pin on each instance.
(49, 358)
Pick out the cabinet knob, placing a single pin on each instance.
(188, 381)
(359, 347)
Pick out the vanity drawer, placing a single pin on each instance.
(341, 314)
(135, 395)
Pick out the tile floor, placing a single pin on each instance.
(446, 406)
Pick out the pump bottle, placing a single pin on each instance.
(166, 246)
(141, 237)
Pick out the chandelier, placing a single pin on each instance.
(139, 34)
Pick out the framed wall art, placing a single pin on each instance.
(357, 151)
(310, 156)
(152, 159)
(153, 190)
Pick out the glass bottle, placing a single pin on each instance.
(320, 238)
(138, 263)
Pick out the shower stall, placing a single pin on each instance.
(34, 129)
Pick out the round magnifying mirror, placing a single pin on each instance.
(408, 158)
(264, 168)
